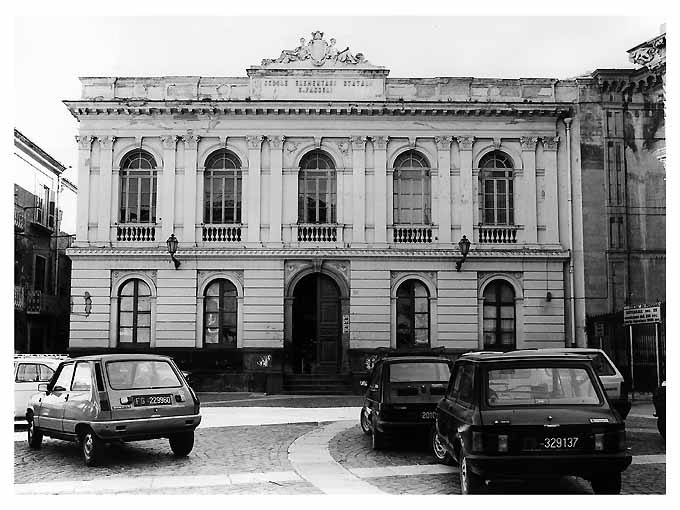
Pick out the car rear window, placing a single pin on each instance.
(540, 386)
(419, 371)
(601, 364)
(143, 374)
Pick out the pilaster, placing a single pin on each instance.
(193, 189)
(380, 187)
(254, 187)
(464, 210)
(359, 189)
(552, 233)
(442, 190)
(276, 188)
(525, 192)
(83, 205)
(167, 197)
(105, 177)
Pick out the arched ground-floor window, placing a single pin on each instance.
(413, 315)
(499, 316)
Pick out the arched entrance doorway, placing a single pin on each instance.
(316, 344)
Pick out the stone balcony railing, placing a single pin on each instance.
(497, 234)
(136, 232)
(221, 233)
(317, 233)
(412, 234)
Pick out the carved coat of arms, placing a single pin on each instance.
(318, 51)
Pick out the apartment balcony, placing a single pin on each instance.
(19, 298)
(412, 234)
(497, 234)
(136, 232)
(221, 233)
(317, 233)
(19, 219)
(38, 303)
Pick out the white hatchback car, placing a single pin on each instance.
(610, 376)
(29, 371)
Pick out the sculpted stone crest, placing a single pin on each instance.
(318, 51)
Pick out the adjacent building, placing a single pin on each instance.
(320, 208)
(42, 271)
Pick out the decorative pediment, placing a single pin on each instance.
(651, 54)
(317, 52)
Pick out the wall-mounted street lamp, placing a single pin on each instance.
(172, 249)
(464, 245)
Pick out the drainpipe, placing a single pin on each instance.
(570, 214)
(56, 239)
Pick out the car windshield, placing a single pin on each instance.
(600, 363)
(419, 371)
(536, 386)
(142, 374)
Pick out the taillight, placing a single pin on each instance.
(502, 443)
(599, 442)
(197, 403)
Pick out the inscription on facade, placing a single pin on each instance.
(337, 88)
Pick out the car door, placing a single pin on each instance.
(26, 378)
(457, 409)
(445, 407)
(52, 403)
(79, 405)
(374, 387)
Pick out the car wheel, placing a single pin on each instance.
(35, 435)
(181, 444)
(661, 425)
(92, 447)
(470, 483)
(607, 484)
(438, 449)
(363, 419)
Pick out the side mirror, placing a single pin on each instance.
(42, 387)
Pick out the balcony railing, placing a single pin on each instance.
(136, 232)
(33, 301)
(317, 233)
(19, 219)
(214, 233)
(412, 233)
(498, 234)
(19, 298)
(39, 303)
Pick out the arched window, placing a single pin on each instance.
(219, 314)
(413, 315)
(411, 195)
(499, 316)
(138, 188)
(134, 314)
(222, 188)
(495, 173)
(317, 189)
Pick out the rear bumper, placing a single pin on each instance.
(542, 466)
(394, 427)
(146, 428)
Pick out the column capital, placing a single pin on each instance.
(528, 143)
(550, 143)
(169, 141)
(276, 142)
(84, 141)
(191, 140)
(443, 142)
(254, 141)
(380, 142)
(106, 141)
(358, 142)
(465, 142)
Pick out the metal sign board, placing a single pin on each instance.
(641, 315)
(345, 323)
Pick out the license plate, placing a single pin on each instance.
(428, 415)
(152, 400)
(555, 443)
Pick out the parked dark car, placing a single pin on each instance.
(115, 397)
(522, 415)
(402, 396)
(659, 400)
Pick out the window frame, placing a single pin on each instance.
(412, 314)
(129, 173)
(135, 314)
(316, 175)
(497, 174)
(405, 174)
(224, 173)
(221, 309)
(497, 285)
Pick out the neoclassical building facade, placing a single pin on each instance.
(318, 207)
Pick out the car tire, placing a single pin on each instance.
(609, 483)
(661, 425)
(470, 483)
(35, 435)
(439, 449)
(364, 420)
(91, 447)
(181, 444)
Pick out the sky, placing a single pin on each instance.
(50, 53)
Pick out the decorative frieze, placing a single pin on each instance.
(254, 142)
(465, 142)
(528, 143)
(550, 143)
(443, 142)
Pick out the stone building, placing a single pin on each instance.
(42, 271)
(318, 206)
